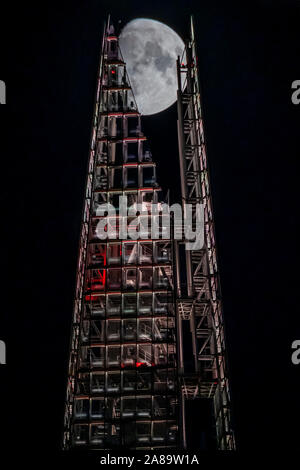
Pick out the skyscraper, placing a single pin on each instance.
(140, 301)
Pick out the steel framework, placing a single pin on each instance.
(199, 296)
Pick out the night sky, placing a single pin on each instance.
(248, 57)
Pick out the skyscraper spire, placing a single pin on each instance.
(122, 389)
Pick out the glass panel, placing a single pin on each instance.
(131, 177)
(97, 255)
(132, 151)
(159, 432)
(81, 409)
(144, 357)
(145, 330)
(128, 407)
(95, 280)
(96, 354)
(116, 177)
(114, 253)
(164, 329)
(114, 305)
(114, 280)
(97, 382)
(129, 330)
(164, 380)
(129, 276)
(83, 384)
(113, 356)
(129, 305)
(117, 153)
(143, 381)
(145, 253)
(113, 330)
(162, 277)
(81, 434)
(112, 408)
(97, 330)
(95, 306)
(128, 381)
(130, 253)
(160, 354)
(97, 408)
(129, 356)
(145, 278)
(98, 432)
(163, 252)
(148, 176)
(144, 407)
(113, 382)
(145, 304)
(143, 432)
(133, 126)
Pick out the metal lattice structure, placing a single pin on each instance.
(199, 296)
(122, 387)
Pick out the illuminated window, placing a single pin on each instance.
(129, 330)
(128, 355)
(97, 382)
(113, 330)
(128, 381)
(129, 276)
(130, 253)
(81, 409)
(162, 252)
(145, 253)
(113, 307)
(129, 305)
(145, 278)
(162, 276)
(96, 355)
(145, 304)
(114, 280)
(114, 253)
(113, 382)
(145, 330)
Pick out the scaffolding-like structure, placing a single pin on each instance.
(198, 286)
(129, 375)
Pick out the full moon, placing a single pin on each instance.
(150, 49)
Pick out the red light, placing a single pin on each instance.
(113, 71)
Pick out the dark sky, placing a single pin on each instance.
(249, 56)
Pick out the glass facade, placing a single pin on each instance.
(122, 389)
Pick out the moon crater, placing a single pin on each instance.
(150, 49)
